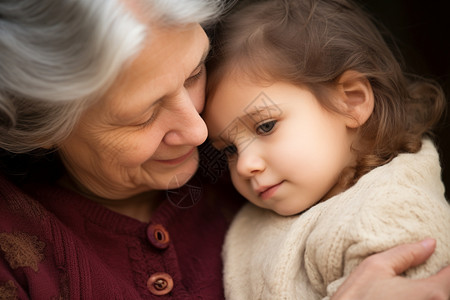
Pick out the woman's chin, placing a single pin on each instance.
(184, 174)
(179, 180)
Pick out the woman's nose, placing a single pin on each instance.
(187, 126)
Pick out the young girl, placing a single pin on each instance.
(329, 141)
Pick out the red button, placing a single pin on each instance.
(160, 284)
(158, 236)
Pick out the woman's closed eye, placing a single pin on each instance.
(148, 122)
(264, 128)
(197, 75)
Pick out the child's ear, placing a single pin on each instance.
(356, 93)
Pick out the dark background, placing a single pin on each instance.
(421, 32)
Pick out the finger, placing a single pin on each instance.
(403, 257)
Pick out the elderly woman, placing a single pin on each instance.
(99, 116)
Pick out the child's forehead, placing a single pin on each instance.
(245, 66)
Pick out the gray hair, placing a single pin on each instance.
(57, 56)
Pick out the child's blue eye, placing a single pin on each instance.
(265, 127)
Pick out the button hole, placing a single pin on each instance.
(159, 235)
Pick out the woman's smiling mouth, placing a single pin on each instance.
(177, 160)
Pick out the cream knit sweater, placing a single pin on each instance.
(308, 256)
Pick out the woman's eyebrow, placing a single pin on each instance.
(202, 60)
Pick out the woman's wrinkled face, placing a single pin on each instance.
(142, 134)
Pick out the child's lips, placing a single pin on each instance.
(266, 192)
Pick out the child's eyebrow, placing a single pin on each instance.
(246, 121)
(258, 113)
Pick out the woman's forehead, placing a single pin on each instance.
(159, 69)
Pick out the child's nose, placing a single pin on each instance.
(250, 163)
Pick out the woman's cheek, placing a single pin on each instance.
(137, 150)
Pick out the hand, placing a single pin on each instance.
(377, 277)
